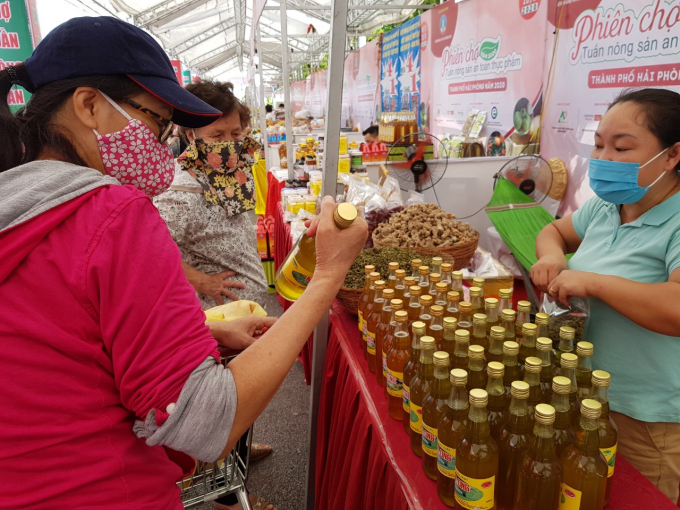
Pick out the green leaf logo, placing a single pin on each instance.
(489, 48)
(563, 499)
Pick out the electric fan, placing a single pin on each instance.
(530, 174)
(417, 161)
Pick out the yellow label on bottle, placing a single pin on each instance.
(429, 440)
(384, 357)
(416, 418)
(446, 460)
(570, 498)
(610, 457)
(361, 321)
(474, 494)
(370, 343)
(407, 399)
(395, 383)
(296, 275)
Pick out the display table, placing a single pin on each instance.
(363, 457)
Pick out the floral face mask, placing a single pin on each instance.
(223, 169)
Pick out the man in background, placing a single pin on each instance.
(371, 134)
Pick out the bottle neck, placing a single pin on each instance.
(386, 313)
(425, 367)
(477, 303)
(367, 284)
(378, 305)
(415, 343)
(543, 445)
(424, 281)
(458, 398)
(504, 304)
(491, 314)
(509, 326)
(601, 394)
(570, 373)
(546, 358)
(566, 345)
(522, 318)
(437, 321)
(509, 360)
(441, 299)
(529, 341)
(532, 379)
(442, 382)
(450, 334)
(446, 278)
(587, 439)
(465, 317)
(457, 285)
(519, 414)
(461, 348)
(494, 386)
(542, 331)
(478, 423)
(425, 311)
(496, 345)
(585, 363)
(401, 335)
(476, 364)
(479, 330)
(414, 301)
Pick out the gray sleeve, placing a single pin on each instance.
(200, 421)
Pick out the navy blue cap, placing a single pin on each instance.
(105, 45)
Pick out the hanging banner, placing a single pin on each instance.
(603, 47)
(365, 92)
(315, 93)
(186, 77)
(297, 95)
(389, 72)
(488, 56)
(409, 66)
(177, 67)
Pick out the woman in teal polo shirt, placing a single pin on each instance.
(626, 242)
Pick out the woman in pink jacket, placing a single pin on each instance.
(105, 354)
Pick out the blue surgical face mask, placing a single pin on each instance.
(617, 182)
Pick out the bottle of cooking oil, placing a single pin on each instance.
(452, 300)
(434, 407)
(465, 316)
(512, 445)
(479, 283)
(460, 353)
(505, 299)
(567, 335)
(396, 359)
(410, 371)
(497, 402)
(409, 282)
(388, 340)
(382, 330)
(425, 304)
(476, 367)
(297, 270)
(449, 336)
(440, 299)
(372, 327)
(491, 311)
(564, 432)
(364, 299)
(451, 430)
(476, 459)
(435, 278)
(415, 266)
(584, 368)
(479, 330)
(476, 300)
(413, 306)
(368, 309)
(436, 265)
(447, 277)
(508, 318)
(532, 376)
(424, 279)
(457, 284)
(544, 349)
(584, 477)
(528, 346)
(523, 317)
(542, 323)
(496, 339)
(399, 284)
(569, 363)
(392, 267)
(421, 385)
(606, 428)
(540, 474)
(436, 326)
(512, 372)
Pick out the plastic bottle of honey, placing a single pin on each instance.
(528, 346)
(436, 265)
(410, 371)
(606, 428)
(512, 445)
(584, 478)
(450, 431)
(460, 352)
(476, 459)
(440, 298)
(436, 327)
(523, 317)
(421, 385)
(457, 284)
(568, 363)
(425, 314)
(393, 267)
(368, 310)
(382, 330)
(449, 336)
(297, 270)
(413, 306)
(508, 318)
(505, 299)
(512, 372)
(415, 266)
(465, 316)
(540, 474)
(584, 368)
(396, 359)
(388, 340)
(372, 327)
(476, 367)
(399, 285)
(566, 345)
(434, 407)
(496, 339)
(564, 433)
(491, 312)
(544, 352)
(479, 283)
(452, 300)
(364, 299)
(532, 376)
(447, 277)
(497, 406)
(476, 300)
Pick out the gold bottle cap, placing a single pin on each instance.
(397, 304)
(426, 300)
(465, 306)
(409, 281)
(542, 319)
(510, 348)
(450, 323)
(452, 296)
(435, 277)
(426, 342)
(374, 276)
(495, 369)
(491, 302)
(388, 294)
(437, 311)
(457, 275)
(393, 266)
(416, 263)
(458, 377)
(601, 379)
(400, 274)
(441, 287)
(401, 316)
(533, 365)
(437, 261)
(543, 343)
(478, 397)
(379, 284)
(519, 389)
(545, 414)
(591, 408)
(567, 333)
(498, 332)
(508, 315)
(418, 327)
(369, 269)
(479, 318)
(414, 290)
(584, 349)
(529, 328)
(475, 292)
(462, 335)
(505, 293)
(568, 360)
(478, 282)
(476, 352)
(423, 270)
(561, 385)
(441, 359)
(446, 267)
(344, 215)
(524, 306)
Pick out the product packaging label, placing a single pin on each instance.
(407, 399)
(446, 460)
(370, 343)
(384, 357)
(610, 457)
(365, 331)
(395, 383)
(296, 275)
(474, 494)
(429, 440)
(416, 419)
(361, 322)
(570, 498)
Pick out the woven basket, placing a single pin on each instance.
(349, 299)
(459, 255)
(560, 178)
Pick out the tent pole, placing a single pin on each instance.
(263, 119)
(285, 55)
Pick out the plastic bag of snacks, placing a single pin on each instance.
(375, 213)
(575, 315)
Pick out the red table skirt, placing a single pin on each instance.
(364, 460)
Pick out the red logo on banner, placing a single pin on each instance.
(444, 19)
(529, 8)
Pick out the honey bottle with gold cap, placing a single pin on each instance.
(409, 282)
(544, 352)
(450, 431)
(434, 407)
(457, 284)
(532, 376)
(435, 278)
(476, 300)
(540, 473)
(410, 371)
(496, 339)
(564, 432)
(421, 385)
(449, 336)
(415, 266)
(508, 318)
(372, 326)
(584, 478)
(465, 316)
(505, 302)
(568, 363)
(491, 312)
(399, 284)
(382, 330)
(297, 270)
(476, 367)
(368, 309)
(396, 359)
(436, 265)
(566, 344)
(424, 279)
(477, 459)
(479, 330)
(392, 267)
(528, 346)
(441, 299)
(512, 371)
(425, 304)
(542, 324)
(584, 368)
(606, 428)
(478, 282)
(364, 299)
(413, 306)
(397, 305)
(447, 277)
(452, 303)
(523, 317)
(460, 352)
(513, 443)
(436, 327)
(498, 405)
